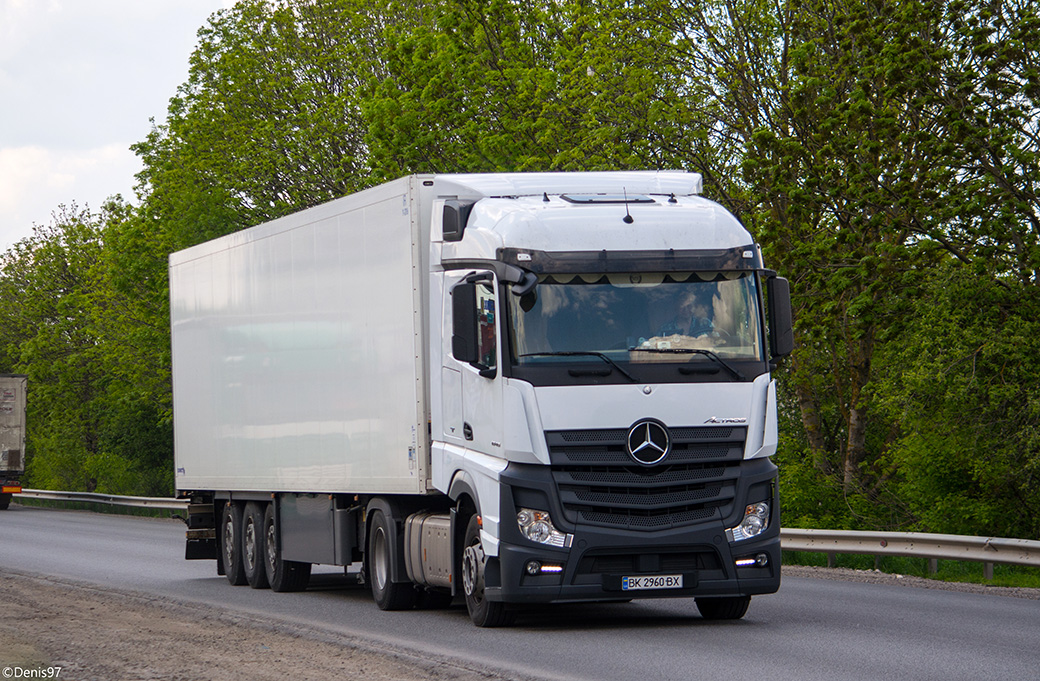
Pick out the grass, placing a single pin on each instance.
(949, 570)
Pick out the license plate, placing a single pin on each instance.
(651, 582)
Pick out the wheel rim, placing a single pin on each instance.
(250, 545)
(272, 550)
(229, 540)
(380, 567)
(473, 572)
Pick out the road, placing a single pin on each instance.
(812, 629)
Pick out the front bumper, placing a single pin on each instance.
(600, 557)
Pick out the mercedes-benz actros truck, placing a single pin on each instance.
(512, 389)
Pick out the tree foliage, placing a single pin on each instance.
(884, 153)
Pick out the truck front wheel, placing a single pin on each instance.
(728, 608)
(483, 612)
(388, 594)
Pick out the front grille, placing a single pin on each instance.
(599, 483)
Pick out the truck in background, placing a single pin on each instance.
(510, 388)
(12, 436)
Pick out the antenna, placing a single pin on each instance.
(628, 219)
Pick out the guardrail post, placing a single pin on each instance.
(832, 560)
(933, 566)
(987, 571)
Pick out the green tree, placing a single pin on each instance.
(268, 122)
(46, 290)
(507, 86)
(963, 389)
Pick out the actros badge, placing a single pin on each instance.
(648, 442)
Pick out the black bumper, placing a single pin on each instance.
(599, 558)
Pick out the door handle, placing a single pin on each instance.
(467, 431)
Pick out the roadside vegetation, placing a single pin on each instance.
(885, 153)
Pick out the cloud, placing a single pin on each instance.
(35, 181)
(79, 82)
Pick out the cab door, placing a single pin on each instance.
(473, 368)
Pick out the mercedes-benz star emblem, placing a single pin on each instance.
(648, 442)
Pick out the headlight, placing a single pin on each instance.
(538, 527)
(755, 522)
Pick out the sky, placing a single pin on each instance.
(79, 82)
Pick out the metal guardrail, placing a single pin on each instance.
(987, 550)
(158, 503)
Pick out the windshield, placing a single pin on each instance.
(636, 318)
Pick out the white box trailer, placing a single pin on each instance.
(486, 386)
(299, 360)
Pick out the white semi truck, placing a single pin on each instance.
(509, 388)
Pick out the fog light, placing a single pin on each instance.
(754, 523)
(535, 567)
(759, 560)
(538, 527)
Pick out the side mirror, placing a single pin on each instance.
(464, 322)
(781, 321)
(473, 334)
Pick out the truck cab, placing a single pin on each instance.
(604, 396)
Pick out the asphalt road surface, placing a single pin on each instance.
(812, 629)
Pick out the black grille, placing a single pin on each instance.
(600, 484)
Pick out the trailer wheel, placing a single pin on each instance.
(5, 501)
(284, 575)
(231, 544)
(483, 612)
(727, 608)
(388, 594)
(253, 550)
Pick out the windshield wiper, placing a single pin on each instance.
(583, 353)
(694, 351)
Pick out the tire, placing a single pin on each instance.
(728, 608)
(283, 575)
(5, 501)
(483, 612)
(388, 594)
(231, 543)
(253, 545)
